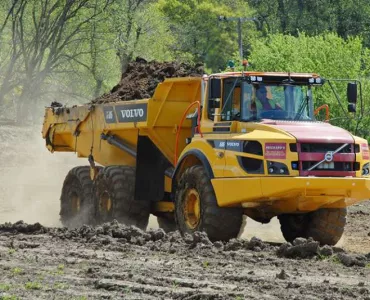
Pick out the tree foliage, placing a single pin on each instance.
(199, 35)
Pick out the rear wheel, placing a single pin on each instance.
(77, 205)
(325, 225)
(114, 190)
(196, 208)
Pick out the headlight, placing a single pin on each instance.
(366, 169)
(276, 168)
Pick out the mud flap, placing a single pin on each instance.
(151, 166)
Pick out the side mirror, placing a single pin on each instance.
(215, 88)
(352, 93)
(351, 107)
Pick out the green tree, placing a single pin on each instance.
(345, 17)
(45, 36)
(199, 35)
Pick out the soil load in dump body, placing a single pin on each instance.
(142, 77)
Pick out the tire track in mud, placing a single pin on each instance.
(117, 262)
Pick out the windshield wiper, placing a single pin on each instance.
(301, 109)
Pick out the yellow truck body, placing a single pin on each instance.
(275, 165)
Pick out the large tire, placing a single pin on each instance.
(196, 208)
(168, 224)
(114, 191)
(242, 227)
(293, 226)
(325, 225)
(77, 205)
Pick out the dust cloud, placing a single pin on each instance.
(31, 180)
(31, 177)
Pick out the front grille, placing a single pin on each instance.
(323, 148)
(337, 166)
(342, 163)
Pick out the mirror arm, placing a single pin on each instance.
(361, 102)
(336, 96)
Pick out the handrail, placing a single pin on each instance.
(316, 111)
(182, 120)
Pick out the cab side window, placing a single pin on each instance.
(214, 95)
(231, 99)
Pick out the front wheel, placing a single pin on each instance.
(325, 225)
(196, 208)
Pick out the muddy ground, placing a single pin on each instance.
(114, 262)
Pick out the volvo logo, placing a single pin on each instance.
(329, 156)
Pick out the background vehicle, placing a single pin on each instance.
(204, 151)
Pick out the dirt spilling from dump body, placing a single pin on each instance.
(142, 77)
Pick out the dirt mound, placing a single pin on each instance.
(142, 77)
(21, 227)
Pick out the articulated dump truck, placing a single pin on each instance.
(204, 153)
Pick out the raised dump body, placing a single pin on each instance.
(202, 152)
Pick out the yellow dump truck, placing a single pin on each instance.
(203, 152)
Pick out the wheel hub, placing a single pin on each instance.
(76, 203)
(192, 208)
(105, 203)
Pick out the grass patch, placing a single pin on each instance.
(60, 269)
(33, 285)
(11, 251)
(60, 286)
(205, 264)
(17, 271)
(335, 259)
(4, 287)
(8, 297)
(323, 257)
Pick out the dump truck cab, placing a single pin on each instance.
(263, 149)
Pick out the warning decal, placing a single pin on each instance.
(365, 151)
(275, 150)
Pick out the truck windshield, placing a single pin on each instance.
(276, 102)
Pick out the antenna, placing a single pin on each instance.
(240, 20)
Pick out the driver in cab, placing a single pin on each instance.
(263, 102)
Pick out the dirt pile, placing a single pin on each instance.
(142, 77)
